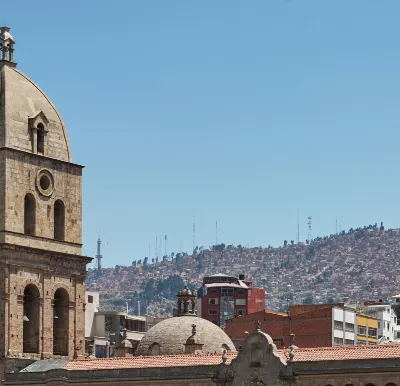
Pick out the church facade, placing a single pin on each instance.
(42, 271)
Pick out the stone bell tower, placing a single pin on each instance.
(42, 272)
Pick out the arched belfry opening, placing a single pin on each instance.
(61, 322)
(29, 215)
(40, 138)
(30, 319)
(59, 220)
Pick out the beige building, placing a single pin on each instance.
(42, 271)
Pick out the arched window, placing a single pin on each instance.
(154, 349)
(31, 319)
(59, 220)
(29, 215)
(61, 322)
(40, 138)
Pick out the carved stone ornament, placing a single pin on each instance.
(45, 182)
(256, 383)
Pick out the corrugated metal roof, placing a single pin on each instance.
(45, 365)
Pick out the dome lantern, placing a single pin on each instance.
(186, 302)
(6, 45)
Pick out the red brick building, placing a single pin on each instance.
(223, 297)
(311, 324)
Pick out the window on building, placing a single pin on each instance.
(90, 299)
(241, 312)
(61, 322)
(226, 291)
(213, 301)
(29, 215)
(371, 331)
(349, 342)
(259, 304)
(240, 302)
(40, 139)
(379, 324)
(362, 330)
(59, 220)
(398, 335)
(31, 319)
(212, 312)
(338, 325)
(338, 341)
(349, 326)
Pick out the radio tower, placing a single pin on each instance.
(194, 236)
(309, 230)
(165, 245)
(99, 256)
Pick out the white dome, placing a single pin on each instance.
(171, 334)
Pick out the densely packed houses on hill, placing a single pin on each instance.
(350, 267)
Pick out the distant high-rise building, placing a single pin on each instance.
(222, 297)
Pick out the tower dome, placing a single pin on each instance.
(185, 333)
(28, 119)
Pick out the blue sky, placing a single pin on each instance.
(245, 112)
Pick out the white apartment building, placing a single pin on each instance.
(387, 320)
(344, 327)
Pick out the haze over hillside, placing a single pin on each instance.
(351, 266)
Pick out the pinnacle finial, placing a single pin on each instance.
(6, 45)
(292, 348)
(224, 357)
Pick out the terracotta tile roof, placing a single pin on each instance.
(338, 353)
(147, 362)
(314, 354)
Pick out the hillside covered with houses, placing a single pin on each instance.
(352, 266)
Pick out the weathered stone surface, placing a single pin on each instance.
(171, 336)
(40, 229)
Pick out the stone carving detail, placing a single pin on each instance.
(67, 263)
(256, 383)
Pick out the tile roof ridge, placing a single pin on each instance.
(336, 348)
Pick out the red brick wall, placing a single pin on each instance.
(257, 296)
(311, 329)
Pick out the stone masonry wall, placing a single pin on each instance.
(21, 178)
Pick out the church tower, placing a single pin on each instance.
(42, 271)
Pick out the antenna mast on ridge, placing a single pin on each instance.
(99, 256)
(194, 236)
(309, 230)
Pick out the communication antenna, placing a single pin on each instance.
(309, 230)
(194, 236)
(99, 256)
(336, 228)
(165, 245)
(216, 232)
